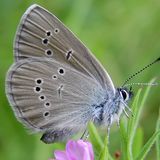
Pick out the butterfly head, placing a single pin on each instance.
(116, 105)
(125, 93)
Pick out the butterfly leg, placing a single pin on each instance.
(108, 127)
(130, 110)
(125, 113)
(118, 122)
(85, 135)
(126, 106)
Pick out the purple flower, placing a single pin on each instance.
(76, 150)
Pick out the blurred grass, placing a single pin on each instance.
(124, 36)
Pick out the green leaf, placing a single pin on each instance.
(99, 146)
(133, 122)
(123, 134)
(104, 153)
(158, 138)
(138, 142)
(95, 138)
(146, 148)
(132, 125)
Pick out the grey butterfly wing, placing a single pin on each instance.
(51, 97)
(41, 34)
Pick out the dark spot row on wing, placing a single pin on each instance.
(45, 41)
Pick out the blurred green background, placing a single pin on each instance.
(123, 34)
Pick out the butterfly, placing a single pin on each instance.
(56, 85)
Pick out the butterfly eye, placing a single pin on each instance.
(124, 94)
(61, 71)
(48, 33)
(56, 30)
(37, 89)
(49, 53)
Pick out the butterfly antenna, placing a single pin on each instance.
(141, 70)
(142, 84)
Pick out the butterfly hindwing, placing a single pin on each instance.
(47, 95)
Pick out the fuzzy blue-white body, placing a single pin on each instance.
(111, 108)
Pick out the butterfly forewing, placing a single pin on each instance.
(41, 34)
(46, 94)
